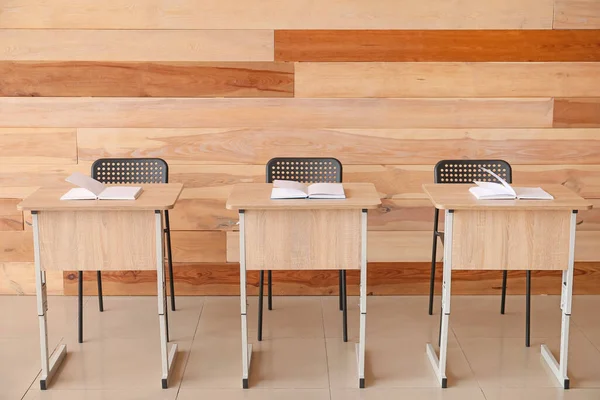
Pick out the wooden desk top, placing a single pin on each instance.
(153, 197)
(257, 196)
(458, 197)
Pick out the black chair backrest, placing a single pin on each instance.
(467, 171)
(305, 170)
(130, 170)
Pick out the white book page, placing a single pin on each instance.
(533, 193)
(288, 190)
(327, 189)
(482, 193)
(508, 188)
(79, 194)
(120, 193)
(86, 182)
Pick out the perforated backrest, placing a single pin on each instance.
(130, 170)
(467, 171)
(305, 170)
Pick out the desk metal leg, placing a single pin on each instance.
(167, 356)
(439, 364)
(361, 345)
(49, 364)
(246, 348)
(559, 369)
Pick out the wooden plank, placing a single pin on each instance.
(437, 45)
(415, 246)
(146, 79)
(350, 146)
(290, 113)
(200, 279)
(21, 180)
(577, 113)
(38, 146)
(11, 219)
(16, 246)
(134, 45)
(19, 278)
(277, 14)
(456, 79)
(576, 14)
(198, 246)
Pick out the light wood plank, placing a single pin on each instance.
(16, 246)
(198, 246)
(202, 279)
(21, 180)
(19, 278)
(437, 45)
(350, 146)
(277, 14)
(38, 146)
(415, 246)
(11, 219)
(290, 113)
(576, 14)
(93, 240)
(577, 112)
(447, 79)
(135, 45)
(146, 79)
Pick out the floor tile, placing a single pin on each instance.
(254, 394)
(128, 394)
(394, 363)
(540, 393)
(408, 393)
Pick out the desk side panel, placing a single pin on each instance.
(511, 240)
(97, 240)
(302, 239)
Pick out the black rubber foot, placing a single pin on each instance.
(444, 383)
(165, 383)
(245, 383)
(43, 384)
(361, 383)
(567, 385)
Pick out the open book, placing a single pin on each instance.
(503, 191)
(91, 189)
(297, 190)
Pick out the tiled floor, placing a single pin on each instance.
(302, 356)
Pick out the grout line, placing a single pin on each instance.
(191, 347)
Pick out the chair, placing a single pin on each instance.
(466, 171)
(129, 171)
(305, 170)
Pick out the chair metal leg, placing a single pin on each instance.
(270, 289)
(261, 285)
(528, 309)
(170, 260)
(503, 299)
(100, 298)
(80, 306)
(345, 307)
(433, 257)
(341, 295)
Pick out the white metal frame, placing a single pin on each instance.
(361, 345)
(439, 364)
(246, 348)
(559, 369)
(49, 364)
(167, 356)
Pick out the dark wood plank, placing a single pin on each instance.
(146, 79)
(383, 278)
(577, 112)
(437, 45)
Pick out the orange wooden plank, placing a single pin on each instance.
(577, 112)
(146, 79)
(437, 45)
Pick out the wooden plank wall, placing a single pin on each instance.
(217, 88)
